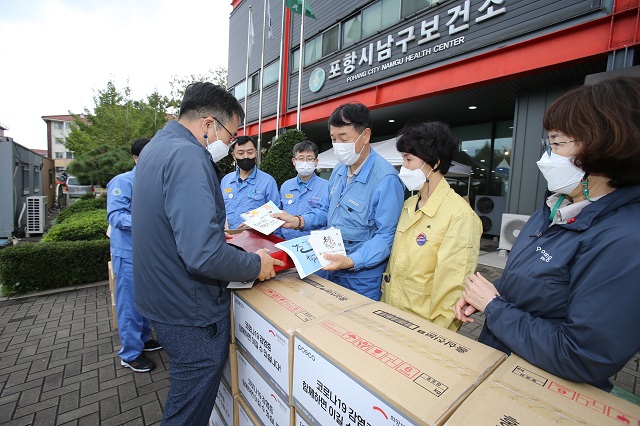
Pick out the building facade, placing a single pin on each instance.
(489, 68)
(58, 128)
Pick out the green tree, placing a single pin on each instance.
(99, 165)
(277, 161)
(117, 120)
(217, 76)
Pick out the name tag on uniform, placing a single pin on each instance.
(288, 195)
(226, 190)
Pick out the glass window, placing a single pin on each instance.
(59, 154)
(390, 13)
(380, 15)
(67, 125)
(409, 7)
(60, 141)
(57, 125)
(25, 180)
(475, 151)
(36, 179)
(239, 90)
(330, 40)
(351, 31)
(271, 73)
(295, 60)
(50, 178)
(313, 50)
(501, 161)
(254, 82)
(69, 155)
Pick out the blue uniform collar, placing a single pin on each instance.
(184, 132)
(251, 178)
(308, 184)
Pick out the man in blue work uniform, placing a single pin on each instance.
(304, 192)
(247, 188)
(182, 262)
(364, 201)
(133, 328)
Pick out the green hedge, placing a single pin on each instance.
(40, 266)
(81, 205)
(81, 226)
(277, 161)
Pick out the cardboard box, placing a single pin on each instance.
(518, 393)
(378, 365)
(224, 402)
(244, 415)
(265, 403)
(112, 289)
(265, 317)
(216, 419)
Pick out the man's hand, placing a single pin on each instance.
(244, 225)
(338, 262)
(266, 265)
(463, 311)
(290, 221)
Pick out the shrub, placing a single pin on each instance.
(40, 266)
(88, 196)
(81, 205)
(277, 161)
(82, 226)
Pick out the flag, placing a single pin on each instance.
(250, 33)
(296, 7)
(269, 33)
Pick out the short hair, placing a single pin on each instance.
(432, 142)
(241, 140)
(137, 145)
(354, 114)
(604, 119)
(305, 146)
(204, 99)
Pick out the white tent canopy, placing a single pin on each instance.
(387, 149)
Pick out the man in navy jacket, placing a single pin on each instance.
(181, 261)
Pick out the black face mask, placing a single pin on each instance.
(246, 164)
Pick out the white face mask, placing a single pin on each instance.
(346, 151)
(414, 180)
(304, 168)
(561, 174)
(217, 148)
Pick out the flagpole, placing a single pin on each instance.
(280, 71)
(264, 25)
(246, 79)
(300, 63)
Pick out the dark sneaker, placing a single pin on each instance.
(141, 364)
(151, 345)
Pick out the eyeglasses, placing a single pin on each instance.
(222, 125)
(547, 144)
(305, 160)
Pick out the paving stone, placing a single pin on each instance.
(46, 417)
(138, 402)
(152, 412)
(110, 407)
(33, 408)
(29, 396)
(90, 420)
(26, 420)
(131, 417)
(52, 381)
(83, 411)
(99, 396)
(59, 392)
(19, 388)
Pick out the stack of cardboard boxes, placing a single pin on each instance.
(310, 352)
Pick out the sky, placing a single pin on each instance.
(57, 54)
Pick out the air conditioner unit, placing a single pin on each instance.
(490, 209)
(36, 214)
(510, 229)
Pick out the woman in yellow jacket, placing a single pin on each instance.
(437, 240)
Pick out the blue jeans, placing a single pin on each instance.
(134, 329)
(196, 359)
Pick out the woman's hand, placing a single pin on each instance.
(478, 293)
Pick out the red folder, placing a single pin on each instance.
(250, 240)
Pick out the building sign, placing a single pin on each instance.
(442, 32)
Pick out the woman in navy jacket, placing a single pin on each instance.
(568, 298)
